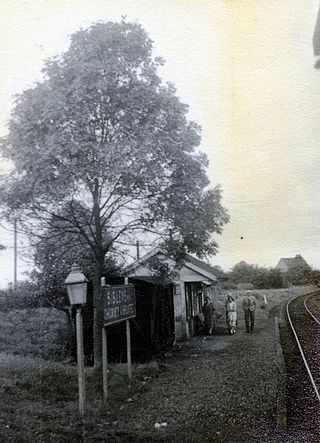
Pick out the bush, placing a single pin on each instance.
(247, 276)
(25, 296)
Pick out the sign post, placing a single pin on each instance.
(104, 362)
(119, 304)
(128, 348)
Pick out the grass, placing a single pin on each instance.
(39, 391)
(33, 332)
(39, 396)
(40, 403)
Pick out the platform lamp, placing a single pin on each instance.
(76, 284)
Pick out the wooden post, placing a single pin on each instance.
(80, 360)
(128, 348)
(104, 363)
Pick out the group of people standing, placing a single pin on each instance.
(249, 305)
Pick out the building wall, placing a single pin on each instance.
(178, 312)
(281, 266)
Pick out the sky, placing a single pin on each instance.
(246, 70)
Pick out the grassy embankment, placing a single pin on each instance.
(39, 390)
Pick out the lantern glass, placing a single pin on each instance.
(77, 293)
(76, 284)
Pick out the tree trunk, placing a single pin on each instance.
(98, 273)
(97, 316)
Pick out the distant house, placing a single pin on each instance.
(181, 302)
(288, 264)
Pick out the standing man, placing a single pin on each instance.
(209, 318)
(249, 305)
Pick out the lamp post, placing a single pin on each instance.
(76, 284)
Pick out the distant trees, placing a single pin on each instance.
(313, 277)
(298, 275)
(258, 277)
(266, 278)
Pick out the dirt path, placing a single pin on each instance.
(220, 388)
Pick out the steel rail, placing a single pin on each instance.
(300, 347)
(306, 307)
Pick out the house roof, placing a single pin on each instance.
(291, 262)
(189, 259)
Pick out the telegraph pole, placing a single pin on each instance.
(15, 248)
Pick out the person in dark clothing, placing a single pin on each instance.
(249, 305)
(209, 316)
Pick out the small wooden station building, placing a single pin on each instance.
(168, 312)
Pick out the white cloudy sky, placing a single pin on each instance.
(245, 67)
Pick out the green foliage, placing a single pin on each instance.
(313, 277)
(255, 276)
(300, 275)
(103, 151)
(161, 270)
(24, 296)
(103, 147)
(54, 257)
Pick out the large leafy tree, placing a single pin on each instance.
(102, 149)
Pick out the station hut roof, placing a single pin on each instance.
(209, 272)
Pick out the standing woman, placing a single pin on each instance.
(231, 314)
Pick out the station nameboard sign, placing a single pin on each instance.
(119, 303)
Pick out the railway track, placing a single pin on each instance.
(305, 326)
(303, 384)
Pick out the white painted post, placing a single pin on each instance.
(105, 362)
(128, 348)
(80, 360)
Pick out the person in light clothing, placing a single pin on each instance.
(231, 314)
(249, 305)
